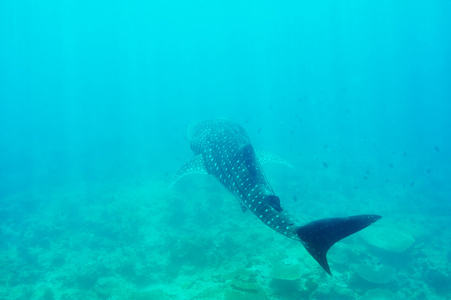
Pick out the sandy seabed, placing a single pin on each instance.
(144, 240)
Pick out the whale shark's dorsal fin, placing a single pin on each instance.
(267, 157)
(194, 166)
(247, 153)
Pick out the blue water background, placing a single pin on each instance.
(85, 85)
(356, 93)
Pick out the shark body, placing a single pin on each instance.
(223, 149)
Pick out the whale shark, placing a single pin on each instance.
(223, 149)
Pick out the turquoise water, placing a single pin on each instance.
(95, 101)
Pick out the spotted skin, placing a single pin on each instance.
(223, 149)
(229, 156)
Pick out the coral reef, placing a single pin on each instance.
(379, 294)
(388, 238)
(113, 243)
(286, 271)
(375, 273)
(156, 294)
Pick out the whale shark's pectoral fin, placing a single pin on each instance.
(318, 236)
(266, 157)
(194, 166)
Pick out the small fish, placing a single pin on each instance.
(412, 183)
(259, 130)
(302, 98)
(428, 170)
(295, 199)
(367, 172)
(390, 165)
(365, 177)
(405, 154)
(325, 165)
(298, 117)
(437, 148)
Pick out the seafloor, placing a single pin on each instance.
(141, 239)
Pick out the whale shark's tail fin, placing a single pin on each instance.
(319, 236)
